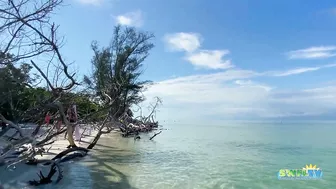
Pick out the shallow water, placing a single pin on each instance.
(231, 155)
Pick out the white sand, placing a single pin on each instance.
(60, 143)
(18, 175)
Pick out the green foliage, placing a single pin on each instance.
(116, 75)
(117, 68)
(17, 96)
(83, 102)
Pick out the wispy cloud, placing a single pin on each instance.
(191, 44)
(243, 82)
(313, 53)
(91, 2)
(182, 41)
(236, 93)
(300, 70)
(130, 19)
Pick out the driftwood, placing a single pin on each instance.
(59, 158)
(155, 135)
(133, 126)
(27, 18)
(65, 152)
(50, 137)
(100, 132)
(47, 180)
(65, 156)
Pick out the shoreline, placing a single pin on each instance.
(59, 143)
(20, 173)
(17, 176)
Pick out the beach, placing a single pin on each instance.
(19, 173)
(229, 156)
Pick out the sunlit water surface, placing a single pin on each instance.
(233, 155)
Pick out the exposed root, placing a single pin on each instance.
(60, 158)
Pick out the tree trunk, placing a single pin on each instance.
(95, 140)
(37, 129)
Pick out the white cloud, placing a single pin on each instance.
(243, 82)
(200, 89)
(182, 41)
(313, 53)
(300, 70)
(190, 43)
(91, 2)
(210, 59)
(297, 71)
(130, 19)
(236, 94)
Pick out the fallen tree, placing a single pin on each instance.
(26, 24)
(133, 126)
(114, 84)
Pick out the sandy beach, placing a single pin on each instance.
(21, 172)
(60, 142)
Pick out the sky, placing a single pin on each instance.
(220, 59)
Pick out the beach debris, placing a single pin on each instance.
(155, 135)
(47, 179)
(130, 126)
(36, 33)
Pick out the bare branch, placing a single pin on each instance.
(33, 34)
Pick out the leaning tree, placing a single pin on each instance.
(27, 32)
(117, 69)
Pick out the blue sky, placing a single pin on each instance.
(221, 59)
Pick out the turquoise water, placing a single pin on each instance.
(230, 155)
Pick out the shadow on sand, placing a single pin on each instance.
(105, 165)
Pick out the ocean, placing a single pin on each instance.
(232, 155)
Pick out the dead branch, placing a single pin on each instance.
(47, 180)
(31, 19)
(42, 142)
(43, 75)
(100, 132)
(12, 125)
(158, 101)
(31, 33)
(65, 152)
(155, 135)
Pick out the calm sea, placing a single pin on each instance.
(241, 155)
